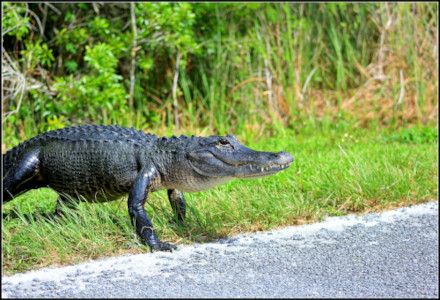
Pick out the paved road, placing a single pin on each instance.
(392, 254)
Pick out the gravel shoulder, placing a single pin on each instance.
(389, 254)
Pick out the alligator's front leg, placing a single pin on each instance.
(177, 202)
(136, 200)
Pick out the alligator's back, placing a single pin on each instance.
(96, 161)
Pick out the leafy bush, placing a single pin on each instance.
(225, 66)
(415, 135)
(96, 94)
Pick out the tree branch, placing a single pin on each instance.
(133, 55)
(176, 76)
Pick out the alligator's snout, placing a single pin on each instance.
(264, 164)
(282, 158)
(229, 158)
(266, 159)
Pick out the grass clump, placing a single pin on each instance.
(333, 174)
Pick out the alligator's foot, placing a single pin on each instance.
(162, 246)
(58, 217)
(64, 203)
(177, 222)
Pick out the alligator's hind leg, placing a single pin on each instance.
(22, 176)
(177, 202)
(136, 200)
(65, 201)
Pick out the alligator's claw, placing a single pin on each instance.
(162, 246)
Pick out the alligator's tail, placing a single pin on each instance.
(7, 167)
(19, 171)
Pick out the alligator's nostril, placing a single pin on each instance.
(284, 156)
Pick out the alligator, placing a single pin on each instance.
(105, 162)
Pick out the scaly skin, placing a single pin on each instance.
(104, 163)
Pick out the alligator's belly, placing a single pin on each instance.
(104, 194)
(97, 176)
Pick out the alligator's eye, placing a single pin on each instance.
(224, 142)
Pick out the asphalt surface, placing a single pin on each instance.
(390, 254)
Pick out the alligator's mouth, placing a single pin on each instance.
(245, 164)
(262, 171)
(253, 170)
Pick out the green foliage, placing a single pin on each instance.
(415, 135)
(37, 54)
(15, 21)
(170, 23)
(240, 64)
(72, 39)
(96, 94)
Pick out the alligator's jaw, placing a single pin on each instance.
(264, 171)
(241, 162)
(254, 164)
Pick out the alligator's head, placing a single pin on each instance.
(199, 163)
(218, 156)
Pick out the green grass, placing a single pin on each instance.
(311, 68)
(334, 173)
